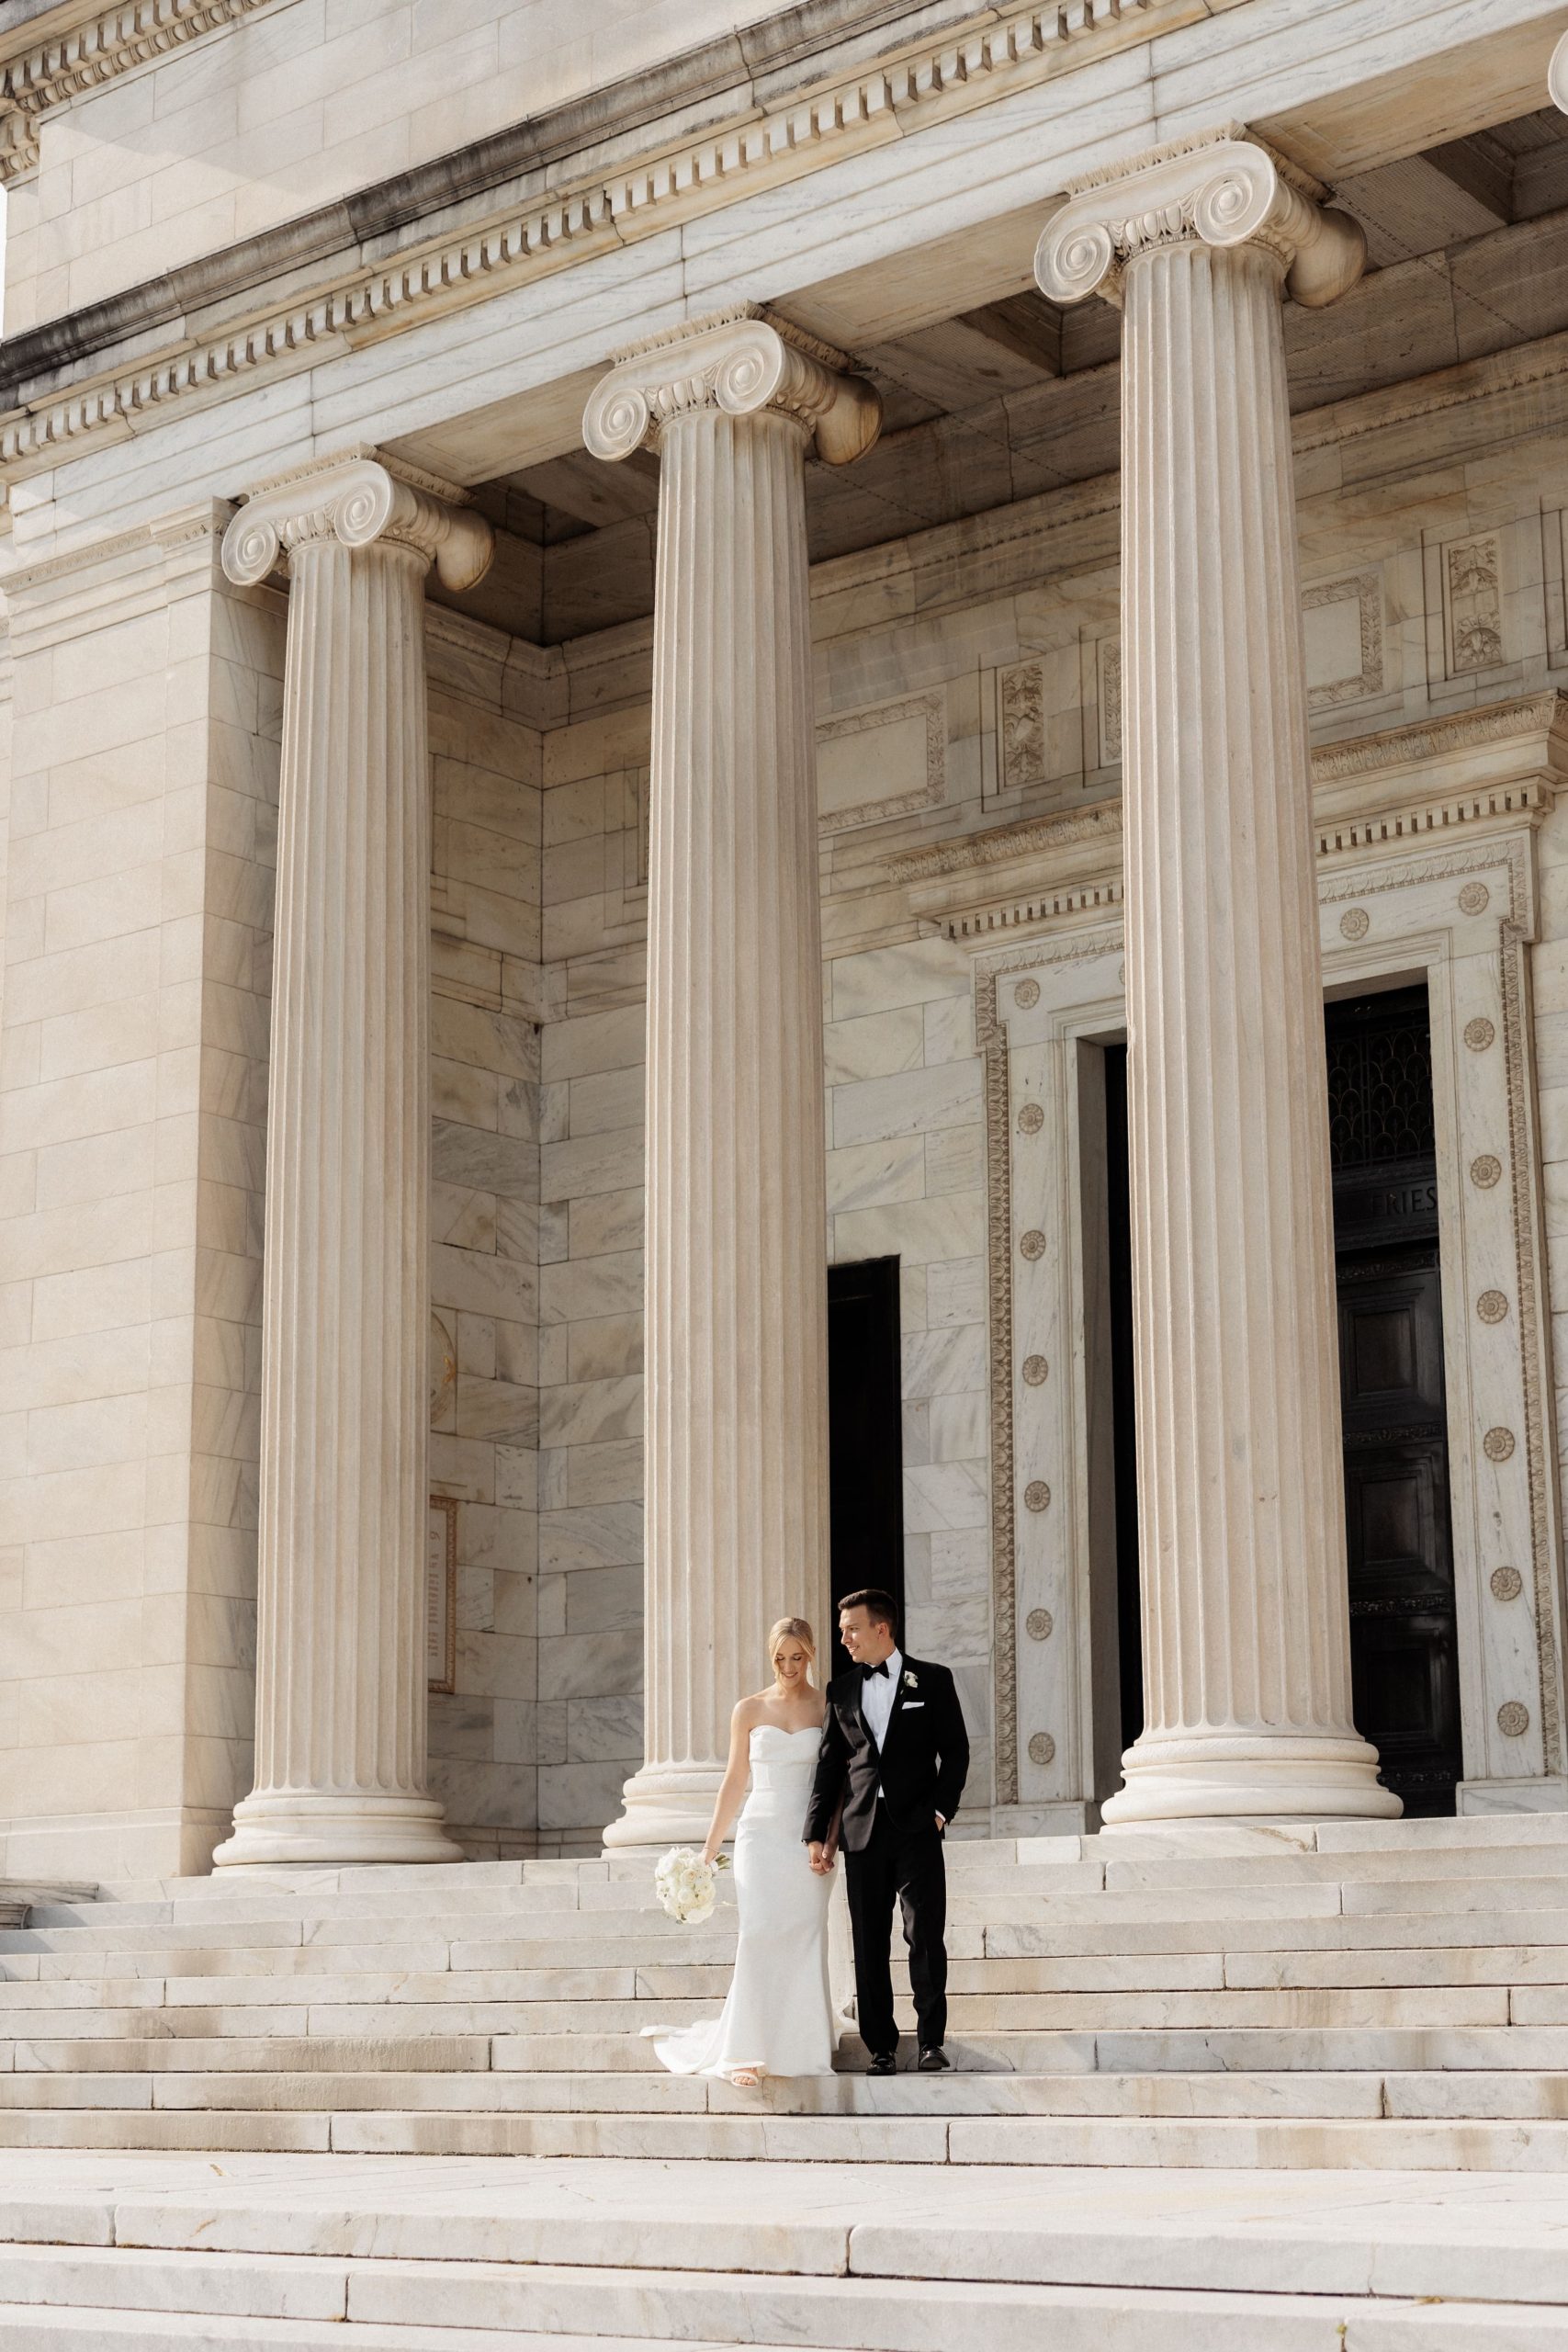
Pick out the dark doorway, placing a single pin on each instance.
(1129, 1627)
(1403, 1644)
(865, 1434)
(1403, 1640)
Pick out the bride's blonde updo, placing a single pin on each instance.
(793, 1629)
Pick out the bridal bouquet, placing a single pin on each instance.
(684, 1885)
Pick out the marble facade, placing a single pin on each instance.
(957, 686)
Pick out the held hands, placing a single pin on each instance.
(821, 1854)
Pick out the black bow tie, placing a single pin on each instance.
(869, 1670)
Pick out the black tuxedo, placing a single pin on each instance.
(890, 1798)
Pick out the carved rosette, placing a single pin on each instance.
(1226, 191)
(741, 364)
(358, 499)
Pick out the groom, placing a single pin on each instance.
(894, 1755)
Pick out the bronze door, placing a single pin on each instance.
(1404, 1645)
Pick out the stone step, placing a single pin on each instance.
(1051, 1938)
(1307, 2143)
(80, 2329)
(300, 1972)
(1381, 1866)
(298, 2054)
(440, 2006)
(1452, 1843)
(1179, 1892)
(171, 2020)
(878, 2316)
(487, 2227)
(1533, 1912)
(1119, 2050)
(1504, 2095)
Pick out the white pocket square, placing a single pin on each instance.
(910, 1704)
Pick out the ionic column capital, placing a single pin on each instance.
(737, 364)
(357, 499)
(1227, 190)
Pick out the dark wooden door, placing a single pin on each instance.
(1403, 1642)
(865, 1432)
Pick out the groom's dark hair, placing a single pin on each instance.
(879, 1605)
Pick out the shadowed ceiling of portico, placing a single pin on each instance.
(1469, 253)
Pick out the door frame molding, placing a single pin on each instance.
(1426, 869)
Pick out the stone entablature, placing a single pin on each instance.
(558, 226)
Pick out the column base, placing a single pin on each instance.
(291, 1828)
(667, 1804)
(1248, 1775)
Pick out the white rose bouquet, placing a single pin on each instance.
(684, 1885)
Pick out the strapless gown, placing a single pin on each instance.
(778, 2017)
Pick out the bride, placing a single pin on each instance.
(778, 2017)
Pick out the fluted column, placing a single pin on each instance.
(1241, 1515)
(340, 1638)
(736, 1353)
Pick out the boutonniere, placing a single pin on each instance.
(911, 1682)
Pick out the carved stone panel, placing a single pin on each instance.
(1021, 725)
(1110, 701)
(1472, 605)
(1342, 624)
(888, 761)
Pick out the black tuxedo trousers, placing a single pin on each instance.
(904, 1866)
(884, 1800)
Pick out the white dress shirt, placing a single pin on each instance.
(877, 1694)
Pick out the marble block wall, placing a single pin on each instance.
(591, 1235)
(907, 1179)
(484, 1035)
(132, 1102)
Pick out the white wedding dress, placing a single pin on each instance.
(778, 2017)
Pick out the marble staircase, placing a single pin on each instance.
(1376, 1995)
(1185, 2065)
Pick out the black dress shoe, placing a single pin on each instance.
(885, 2064)
(934, 2062)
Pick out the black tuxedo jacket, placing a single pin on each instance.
(921, 1766)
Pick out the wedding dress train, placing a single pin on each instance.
(778, 2017)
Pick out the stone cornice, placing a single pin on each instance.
(48, 73)
(1031, 836)
(814, 129)
(1497, 767)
